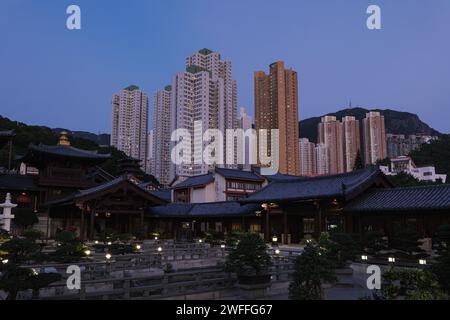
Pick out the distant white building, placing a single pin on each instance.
(407, 165)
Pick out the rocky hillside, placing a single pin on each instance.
(396, 122)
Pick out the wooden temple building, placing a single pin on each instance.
(67, 189)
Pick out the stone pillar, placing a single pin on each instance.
(6, 217)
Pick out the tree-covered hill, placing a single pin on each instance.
(436, 153)
(396, 122)
(26, 135)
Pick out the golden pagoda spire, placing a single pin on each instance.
(63, 139)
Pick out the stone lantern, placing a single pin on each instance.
(6, 217)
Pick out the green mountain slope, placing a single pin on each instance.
(396, 122)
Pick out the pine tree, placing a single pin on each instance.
(358, 162)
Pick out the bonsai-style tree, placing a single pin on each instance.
(25, 217)
(346, 246)
(249, 257)
(14, 277)
(70, 248)
(373, 242)
(410, 285)
(32, 234)
(312, 270)
(408, 242)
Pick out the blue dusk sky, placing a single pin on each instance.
(60, 78)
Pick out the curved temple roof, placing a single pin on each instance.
(345, 185)
(434, 197)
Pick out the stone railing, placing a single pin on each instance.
(183, 283)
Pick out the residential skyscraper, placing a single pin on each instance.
(307, 157)
(245, 123)
(374, 138)
(130, 123)
(352, 142)
(161, 135)
(276, 107)
(204, 93)
(150, 152)
(330, 134)
(322, 159)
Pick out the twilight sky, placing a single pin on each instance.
(60, 78)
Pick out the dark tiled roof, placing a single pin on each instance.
(398, 199)
(98, 189)
(278, 176)
(163, 194)
(17, 182)
(196, 181)
(239, 174)
(198, 210)
(284, 177)
(68, 151)
(344, 185)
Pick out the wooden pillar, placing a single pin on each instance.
(130, 221)
(285, 227)
(83, 211)
(48, 222)
(142, 219)
(266, 229)
(319, 222)
(91, 225)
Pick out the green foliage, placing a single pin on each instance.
(312, 269)
(398, 122)
(358, 161)
(68, 252)
(373, 242)
(120, 249)
(408, 242)
(70, 248)
(232, 239)
(20, 250)
(66, 237)
(214, 238)
(441, 269)
(4, 235)
(26, 135)
(32, 234)
(249, 256)
(403, 179)
(436, 153)
(125, 237)
(14, 279)
(140, 233)
(25, 217)
(410, 285)
(347, 247)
